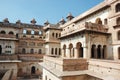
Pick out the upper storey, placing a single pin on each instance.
(95, 19)
(18, 30)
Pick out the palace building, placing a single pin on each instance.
(90, 46)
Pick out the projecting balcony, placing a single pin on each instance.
(66, 64)
(87, 26)
(8, 37)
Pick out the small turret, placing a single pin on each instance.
(18, 22)
(6, 20)
(62, 21)
(46, 23)
(69, 17)
(33, 21)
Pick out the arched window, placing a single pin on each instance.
(119, 53)
(64, 48)
(52, 51)
(40, 32)
(0, 49)
(105, 21)
(40, 51)
(99, 51)
(59, 51)
(11, 33)
(55, 51)
(36, 32)
(79, 49)
(118, 35)
(93, 51)
(28, 32)
(33, 70)
(32, 51)
(98, 21)
(3, 32)
(23, 51)
(52, 34)
(56, 35)
(24, 31)
(59, 35)
(104, 55)
(71, 49)
(117, 8)
(118, 21)
(32, 32)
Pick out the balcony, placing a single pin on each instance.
(8, 37)
(8, 57)
(30, 57)
(60, 64)
(87, 26)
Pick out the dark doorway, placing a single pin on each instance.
(33, 70)
(0, 49)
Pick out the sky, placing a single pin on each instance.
(43, 10)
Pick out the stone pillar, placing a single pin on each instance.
(101, 50)
(63, 54)
(85, 55)
(95, 53)
(68, 52)
(76, 53)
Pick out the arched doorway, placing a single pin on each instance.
(79, 49)
(64, 48)
(99, 52)
(93, 49)
(33, 70)
(71, 49)
(0, 49)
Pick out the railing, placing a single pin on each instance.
(8, 57)
(30, 57)
(7, 36)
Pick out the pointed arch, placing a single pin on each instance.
(71, 49)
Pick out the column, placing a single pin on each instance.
(68, 52)
(63, 53)
(76, 53)
(95, 53)
(101, 50)
(85, 55)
